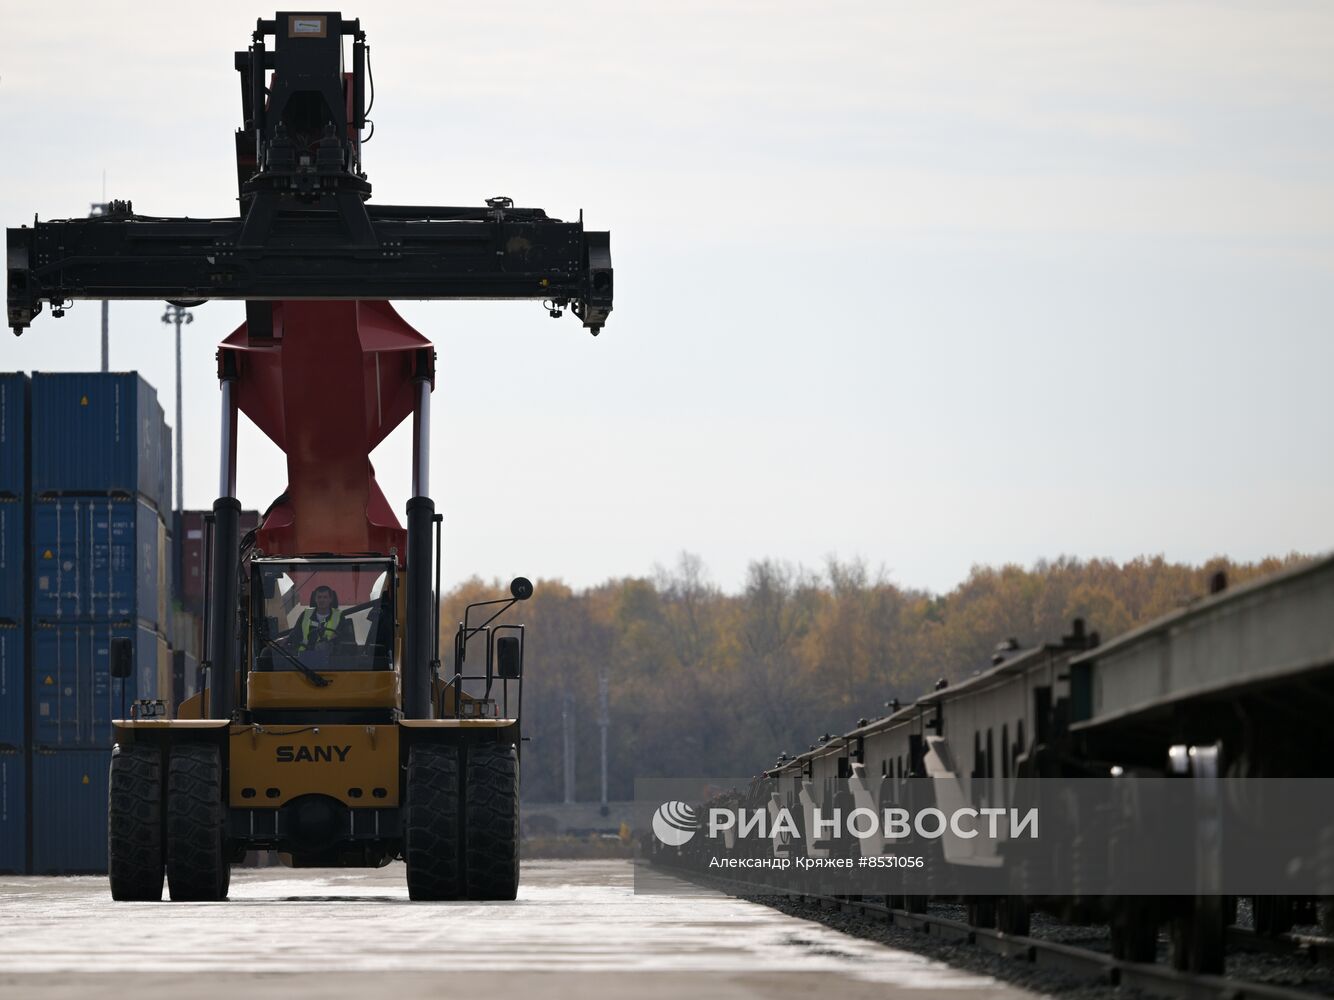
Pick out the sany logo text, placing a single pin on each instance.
(289, 755)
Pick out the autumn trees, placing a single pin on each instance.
(707, 683)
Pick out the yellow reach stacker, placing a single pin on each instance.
(326, 729)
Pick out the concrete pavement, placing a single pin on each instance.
(577, 931)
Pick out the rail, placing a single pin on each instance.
(1158, 980)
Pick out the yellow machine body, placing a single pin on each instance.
(271, 765)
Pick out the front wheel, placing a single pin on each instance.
(134, 823)
(198, 866)
(431, 824)
(491, 822)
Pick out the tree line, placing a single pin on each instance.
(701, 682)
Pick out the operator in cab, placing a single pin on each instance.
(322, 627)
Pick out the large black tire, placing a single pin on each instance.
(491, 823)
(431, 844)
(134, 823)
(198, 867)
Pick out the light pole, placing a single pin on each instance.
(604, 720)
(567, 732)
(177, 315)
(99, 208)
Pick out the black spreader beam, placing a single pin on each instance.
(412, 253)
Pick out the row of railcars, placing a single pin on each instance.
(1237, 684)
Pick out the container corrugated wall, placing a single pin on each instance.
(184, 676)
(13, 435)
(162, 676)
(96, 558)
(165, 495)
(69, 811)
(165, 579)
(85, 556)
(96, 433)
(74, 695)
(191, 557)
(12, 598)
(184, 633)
(13, 811)
(190, 539)
(12, 690)
(13, 494)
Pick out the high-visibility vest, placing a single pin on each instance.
(330, 626)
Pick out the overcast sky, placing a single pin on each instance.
(932, 284)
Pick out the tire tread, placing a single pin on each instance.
(431, 843)
(135, 860)
(197, 865)
(491, 828)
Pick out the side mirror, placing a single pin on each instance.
(509, 657)
(122, 658)
(521, 588)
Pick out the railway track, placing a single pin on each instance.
(1171, 752)
(1315, 948)
(1085, 963)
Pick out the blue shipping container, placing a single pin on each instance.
(96, 433)
(74, 695)
(184, 677)
(69, 811)
(12, 697)
(12, 580)
(164, 488)
(13, 435)
(95, 558)
(13, 812)
(167, 579)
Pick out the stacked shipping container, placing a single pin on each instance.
(13, 586)
(191, 535)
(13, 811)
(99, 470)
(87, 554)
(191, 576)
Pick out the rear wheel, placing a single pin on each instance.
(198, 868)
(431, 845)
(491, 822)
(134, 823)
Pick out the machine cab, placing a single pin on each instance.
(322, 634)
